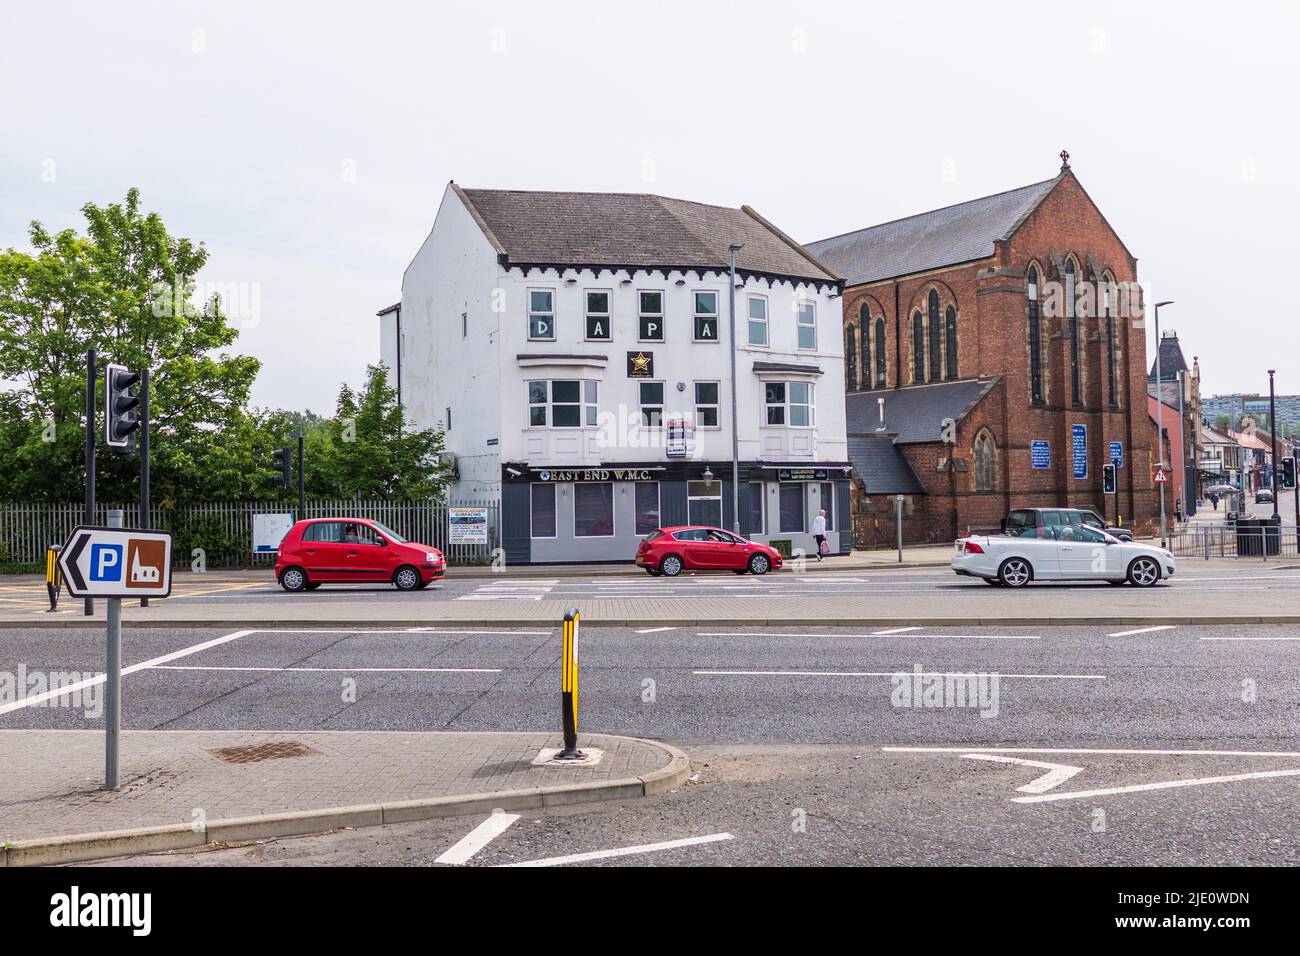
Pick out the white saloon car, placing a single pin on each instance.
(1060, 553)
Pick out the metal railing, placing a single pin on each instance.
(223, 530)
(1258, 541)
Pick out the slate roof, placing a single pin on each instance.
(881, 466)
(1171, 358)
(914, 414)
(941, 237)
(634, 230)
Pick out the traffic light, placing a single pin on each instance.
(283, 464)
(1108, 479)
(1288, 472)
(121, 407)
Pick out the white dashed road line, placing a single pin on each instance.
(891, 674)
(656, 630)
(625, 851)
(1166, 785)
(1143, 630)
(965, 637)
(478, 838)
(1057, 773)
(897, 630)
(334, 670)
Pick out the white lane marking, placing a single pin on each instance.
(967, 637)
(898, 630)
(625, 851)
(1057, 773)
(458, 630)
(91, 681)
(1250, 638)
(499, 597)
(1166, 785)
(483, 834)
(656, 630)
(1143, 630)
(332, 670)
(1095, 750)
(891, 674)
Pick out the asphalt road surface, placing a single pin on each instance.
(805, 748)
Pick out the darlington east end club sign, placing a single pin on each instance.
(596, 474)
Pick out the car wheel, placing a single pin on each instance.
(1143, 572)
(1015, 572)
(406, 579)
(759, 564)
(671, 566)
(293, 580)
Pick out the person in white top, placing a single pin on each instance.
(819, 531)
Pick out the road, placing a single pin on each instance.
(804, 749)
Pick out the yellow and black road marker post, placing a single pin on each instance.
(569, 686)
(53, 577)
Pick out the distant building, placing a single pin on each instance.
(990, 363)
(1178, 390)
(1253, 405)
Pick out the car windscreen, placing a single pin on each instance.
(389, 533)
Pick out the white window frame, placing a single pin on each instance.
(716, 406)
(528, 304)
(607, 315)
(714, 315)
(787, 405)
(663, 331)
(555, 513)
(800, 325)
(640, 401)
(750, 321)
(717, 487)
(613, 509)
(588, 410)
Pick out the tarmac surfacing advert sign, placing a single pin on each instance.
(467, 526)
(117, 562)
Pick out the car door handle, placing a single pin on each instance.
(351, 552)
(311, 550)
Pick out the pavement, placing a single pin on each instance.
(183, 789)
(1139, 745)
(827, 593)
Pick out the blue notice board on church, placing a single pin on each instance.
(1117, 453)
(1079, 441)
(1040, 452)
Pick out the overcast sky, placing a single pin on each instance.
(308, 144)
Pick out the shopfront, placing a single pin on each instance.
(556, 515)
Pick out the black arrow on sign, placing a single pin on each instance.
(70, 559)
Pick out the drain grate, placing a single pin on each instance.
(255, 753)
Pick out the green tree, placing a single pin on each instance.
(367, 450)
(126, 289)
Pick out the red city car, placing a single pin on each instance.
(669, 551)
(353, 551)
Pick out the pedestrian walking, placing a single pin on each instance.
(819, 533)
(1214, 500)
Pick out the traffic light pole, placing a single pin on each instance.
(145, 523)
(302, 494)
(91, 360)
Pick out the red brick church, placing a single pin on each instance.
(995, 358)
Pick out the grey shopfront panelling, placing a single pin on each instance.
(843, 516)
(516, 519)
(672, 502)
(566, 546)
(728, 512)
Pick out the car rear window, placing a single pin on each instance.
(324, 532)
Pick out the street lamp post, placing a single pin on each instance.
(735, 437)
(1272, 430)
(1160, 422)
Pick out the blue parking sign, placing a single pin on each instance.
(106, 562)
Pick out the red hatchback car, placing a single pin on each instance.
(669, 551)
(353, 551)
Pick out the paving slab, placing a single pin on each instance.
(181, 788)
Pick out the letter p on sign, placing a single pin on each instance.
(106, 562)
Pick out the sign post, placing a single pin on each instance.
(115, 563)
(569, 686)
(898, 523)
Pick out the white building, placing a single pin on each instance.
(576, 348)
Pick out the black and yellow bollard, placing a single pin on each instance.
(53, 577)
(569, 687)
